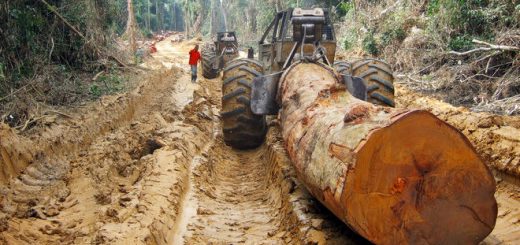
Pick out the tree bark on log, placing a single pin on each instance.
(394, 176)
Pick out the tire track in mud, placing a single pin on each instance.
(187, 205)
(233, 200)
(46, 163)
(103, 173)
(252, 197)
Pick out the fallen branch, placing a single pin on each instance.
(487, 56)
(502, 84)
(118, 61)
(59, 113)
(97, 75)
(29, 122)
(53, 9)
(16, 91)
(414, 83)
(498, 47)
(423, 69)
(507, 106)
(489, 47)
(388, 10)
(477, 75)
(52, 49)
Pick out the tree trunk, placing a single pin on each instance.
(197, 24)
(176, 16)
(252, 17)
(187, 18)
(158, 15)
(173, 25)
(131, 26)
(395, 176)
(278, 6)
(214, 17)
(224, 14)
(147, 19)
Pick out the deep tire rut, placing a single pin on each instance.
(234, 203)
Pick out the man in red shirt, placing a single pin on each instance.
(194, 59)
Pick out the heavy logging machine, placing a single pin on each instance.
(215, 55)
(395, 176)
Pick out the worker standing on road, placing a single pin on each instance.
(194, 59)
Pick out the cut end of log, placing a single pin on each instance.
(419, 180)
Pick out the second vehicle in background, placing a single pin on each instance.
(215, 55)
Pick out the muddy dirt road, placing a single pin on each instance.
(150, 167)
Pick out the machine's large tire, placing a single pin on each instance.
(242, 129)
(343, 67)
(209, 57)
(378, 78)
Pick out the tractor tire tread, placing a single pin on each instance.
(379, 80)
(241, 128)
(208, 59)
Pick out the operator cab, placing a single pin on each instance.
(226, 36)
(226, 43)
(297, 34)
(307, 24)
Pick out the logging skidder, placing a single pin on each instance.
(215, 55)
(395, 176)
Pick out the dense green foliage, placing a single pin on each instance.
(35, 40)
(465, 20)
(453, 22)
(370, 44)
(32, 36)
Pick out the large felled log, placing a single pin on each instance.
(394, 176)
